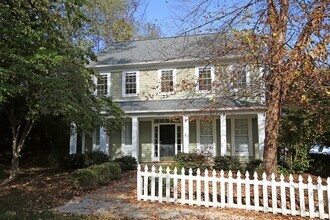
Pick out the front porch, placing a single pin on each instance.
(155, 138)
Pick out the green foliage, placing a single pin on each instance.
(95, 157)
(106, 172)
(84, 179)
(254, 166)
(226, 163)
(2, 171)
(78, 161)
(127, 163)
(320, 165)
(193, 160)
(283, 170)
(115, 170)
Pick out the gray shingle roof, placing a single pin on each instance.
(183, 105)
(157, 50)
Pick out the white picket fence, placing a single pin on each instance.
(278, 197)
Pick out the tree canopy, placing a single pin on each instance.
(44, 71)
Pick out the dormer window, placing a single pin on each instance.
(205, 76)
(130, 83)
(102, 84)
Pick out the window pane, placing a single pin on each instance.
(166, 81)
(130, 83)
(241, 135)
(240, 77)
(102, 85)
(204, 79)
(128, 133)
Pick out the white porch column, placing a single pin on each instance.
(185, 134)
(103, 141)
(223, 134)
(73, 139)
(135, 138)
(261, 134)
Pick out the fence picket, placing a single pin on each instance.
(206, 188)
(147, 180)
(153, 183)
(230, 189)
(320, 198)
(191, 198)
(256, 191)
(222, 189)
(160, 184)
(292, 196)
(239, 190)
(265, 192)
(175, 185)
(283, 195)
(183, 186)
(310, 196)
(301, 196)
(247, 190)
(198, 187)
(214, 188)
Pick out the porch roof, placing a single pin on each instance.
(186, 105)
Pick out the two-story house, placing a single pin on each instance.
(167, 87)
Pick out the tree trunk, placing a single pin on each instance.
(14, 167)
(273, 117)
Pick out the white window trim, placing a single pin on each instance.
(123, 79)
(159, 81)
(211, 66)
(247, 76)
(214, 134)
(108, 83)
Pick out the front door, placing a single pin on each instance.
(167, 142)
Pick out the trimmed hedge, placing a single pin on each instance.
(91, 177)
(84, 179)
(193, 160)
(127, 163)
(79, 161)
(227, 163)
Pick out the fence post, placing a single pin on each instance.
(175, 185)
(198, 185)
(190, 180)
(230, 189)
(145, 183)
(153, 183)
(206, 188)
(247, 190)
(320, 198)
(265, 192)
(139, 187)
(183, 186)
(301, 196)
(214, 188)
(256, 191)
(160, 184)
(283, 197)
(239, 190)
(310, 197)
(222, 189)
(292, 196)
(168, 184)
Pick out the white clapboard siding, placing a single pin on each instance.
(213, 189)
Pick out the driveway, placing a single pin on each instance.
(118, 200)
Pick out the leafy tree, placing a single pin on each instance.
(44, 72)
(288, 38)
(150, 31)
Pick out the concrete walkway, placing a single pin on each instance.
(118, 200)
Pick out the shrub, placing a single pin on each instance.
(320, 165)
(74, 161)
(115, 170)
(95, 157)
(103, 173)
(127, 163)
(226, 163)
(193, 160)
(84, 179)
(255, 166)
(2, 171)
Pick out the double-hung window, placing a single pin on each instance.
(205, 76)
(102, 84)
(130, 83)
(240, 76)
(206, 136)
(167, 81)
